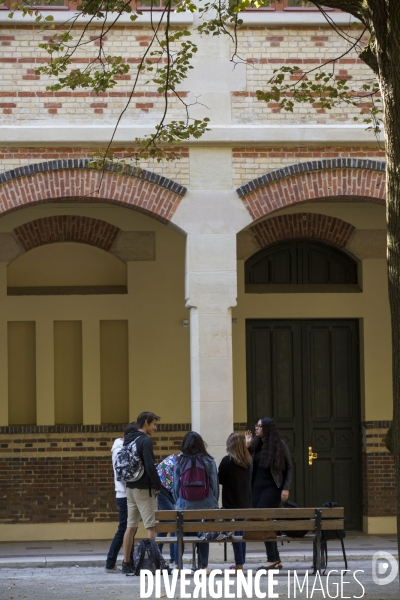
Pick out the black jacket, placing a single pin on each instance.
(283, 479)
(236, 484)
(144, 445)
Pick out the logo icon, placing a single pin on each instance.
(384, 568)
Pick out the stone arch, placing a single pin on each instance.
(75, 181)
(342, 178)
(307, 226)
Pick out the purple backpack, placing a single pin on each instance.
(194, 480)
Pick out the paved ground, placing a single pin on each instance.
(75, 571)
(91, 583)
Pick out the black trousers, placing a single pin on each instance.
(267, 495)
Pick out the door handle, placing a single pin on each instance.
(311, 455)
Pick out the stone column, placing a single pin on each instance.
(210, 294)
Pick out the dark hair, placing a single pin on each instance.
(271, 446)
(193, 443)
(130, 427)
(146, 416)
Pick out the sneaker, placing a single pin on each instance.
(206, 570)
(127, 568)
(113, 569)
(176, 568)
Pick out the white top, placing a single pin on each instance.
(120, 487)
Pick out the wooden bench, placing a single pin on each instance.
(313, 520)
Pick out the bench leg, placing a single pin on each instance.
(194, 564)
(317, 566)
(179, 529)
(344, 554)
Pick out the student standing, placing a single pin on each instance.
(234, 474)
(141, 494)
(165, 498)
(120, 493)
(272, 475)
(193, 447)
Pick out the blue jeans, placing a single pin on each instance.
(116, 544)
(239, 549)
(164, 503)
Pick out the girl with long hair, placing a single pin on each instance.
(272, 475)
(193, 446)
(234, 475)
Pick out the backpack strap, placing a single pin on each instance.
(154, 553)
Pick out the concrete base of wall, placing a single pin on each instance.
(47, 532)
(380, 524)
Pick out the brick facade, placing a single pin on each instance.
(305, 226)
(14, 158)
(67, 228)
(249, 163)
(345, 179)
(266, 49)
(379, 484)
(63, 474)
(74, 181)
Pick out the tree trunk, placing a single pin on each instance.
(387, 30)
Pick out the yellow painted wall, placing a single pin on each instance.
(158, 357)
(68, 390)
(114, 376)
(153, 309)
(21, 373)
(66, 264)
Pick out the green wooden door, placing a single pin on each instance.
(305, 375)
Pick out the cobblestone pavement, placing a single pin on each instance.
(92, 583)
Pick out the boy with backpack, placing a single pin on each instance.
(120, 492)
(142, 489)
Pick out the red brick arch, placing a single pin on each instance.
(344, 179)
(74, 181)
(310, 226)
(66, 228)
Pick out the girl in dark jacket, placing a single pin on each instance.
(272, 475)
(234, 475)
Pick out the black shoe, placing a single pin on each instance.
(127, 568)
(277, 565)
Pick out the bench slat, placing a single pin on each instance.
(249, 526)
(334, 524)
(250, 513)
(335, 513)
(166, 515)
(272, 513)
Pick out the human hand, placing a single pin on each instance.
(285, 495)
(156, 492)
(248, 437)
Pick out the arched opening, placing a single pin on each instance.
(300, 262)
(66, 268)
